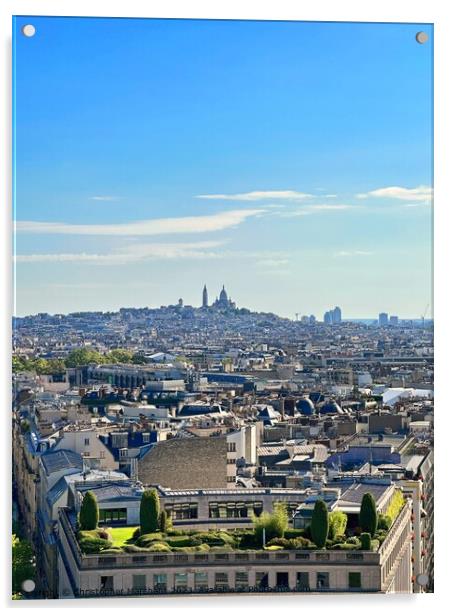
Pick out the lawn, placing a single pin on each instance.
(121, 535)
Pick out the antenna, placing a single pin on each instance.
(296, 316)
(423, 315)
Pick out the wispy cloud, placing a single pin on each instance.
(307, 210)
(131, 254)
(353, 253)
(104, 198)
(420, 193)
(259, 195)
(157, 226)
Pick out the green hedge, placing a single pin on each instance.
(92, 545)
(145, 541)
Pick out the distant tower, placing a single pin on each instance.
(205, 297)
(223, 296)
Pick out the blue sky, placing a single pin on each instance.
(290, 161)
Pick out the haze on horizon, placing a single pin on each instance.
(291, 162)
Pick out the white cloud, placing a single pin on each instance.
(307, 210)
(353, 253)
(158, 226)
(332, 207)
(104, 198)
(131, 254)
(260, 195)
(420, 193)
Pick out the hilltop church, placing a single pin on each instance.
(220, 303)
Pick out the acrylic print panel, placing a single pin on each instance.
(222, 339)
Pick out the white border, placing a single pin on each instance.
(434, 11)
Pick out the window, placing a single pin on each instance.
(221, 580)
(160, 581)
(282, 579)
(146, 437)
(182, 511)
(302, 580)
(241, 580)
(261, 579)
(323, 580)
(231, 479)
(354, 579)
(86, 441)
(201, 580)
(102, 455)
(112, 515)
(139, 582)
(180, 580)
(106, 582)
(232, 447)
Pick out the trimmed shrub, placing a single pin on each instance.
(134, 548)
(163, 521)
(368, 514)
(319, 523)
(183, 542)
(374, 545)
(217, 538)
(384, 522)
(248, 541)
(294, 533)
(337, 524)
(353, 541)
(273, 548)
(149, 511)
(159, 547)
(396, 504)
(89, 512)
(344, 546)
(145, 540)
(173, 532)
(365, 541)
(221, 548)
(94, 545)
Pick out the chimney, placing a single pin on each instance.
(281, 407)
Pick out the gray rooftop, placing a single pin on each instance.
(55, 461)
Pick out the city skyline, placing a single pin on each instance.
(224, 300)
(263, 154)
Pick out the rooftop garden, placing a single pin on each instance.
(270, 532)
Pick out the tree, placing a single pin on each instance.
(23, 563)
(368, 518)
(120, 356)
(149, 512)
(337, 524)
(319, 523)
(275, 524)
(163, 521)
(366, 542)
(82, 357)
(89, 512)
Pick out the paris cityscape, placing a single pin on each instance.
(223, 325)
(226, 414)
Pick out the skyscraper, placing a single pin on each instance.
(383, 319)
(337, 315)
(205, 297)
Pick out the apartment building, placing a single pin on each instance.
(332, 571)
